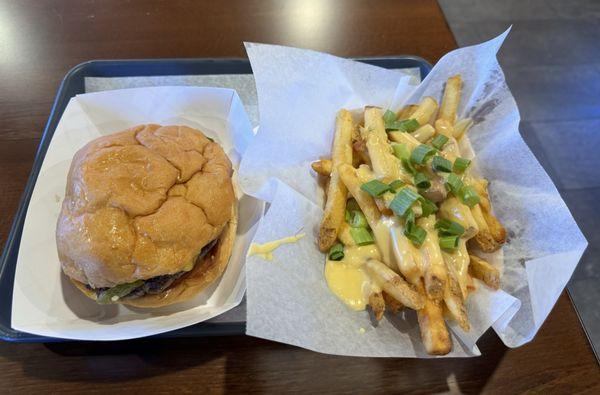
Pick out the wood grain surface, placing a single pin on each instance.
(41, 40)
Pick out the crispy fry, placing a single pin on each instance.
(433, 263)
(443, 126)
(425, 110)
(496, 229)
(365, 201)
(392, 304)
(341, 153)
(406, 111)
(384, 163)
(359, 148)
(404, 138)
(457, 263)
(345, 236)
(454, 210)
(484, 271)
(451, 149)
(365, 174)
(377, 304)
(481, 185)
(434, 332)
(496, 235)
(451, 99)
(453, 298)
(395, 285)
(322, 167)
(424, 133)
(461, 127)
(484, 238)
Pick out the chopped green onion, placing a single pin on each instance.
(391, 123)
(362, 236)
(408, 166)
(375, 188)
(447, 227)
(421, 154)
(428, 207)
(454, 183)
(440, 163)
(352, 205)
(403, 200)
(461, 164)
(439, 141)
(421, 181)
(449, 243)
(416, 234)
(409, 218)
(396, 185)
(468, 195)
(408, 125)
(336, 253)
(388, 117)
(358, 220)
(401, 151)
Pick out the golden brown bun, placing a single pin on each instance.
(142, 203)
(192, 283)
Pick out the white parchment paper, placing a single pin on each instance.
(299, 93)
(44, 301)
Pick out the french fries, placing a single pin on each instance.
(482, 270)
(392, 304)
(434, 332)
(322, 167)
(377, 304)
(434, 267)
(383, 162)
(452, 209)
(336, 191)
(453, 298)
(461, 127)
(345, 236)
(406, 233)
(404, 138)
(395, 285)
(366, 203)
(406, 111)
(425, 110)
(424, 133)
(451, 99)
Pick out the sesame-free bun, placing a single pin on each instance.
(188, 286)
(142, 203)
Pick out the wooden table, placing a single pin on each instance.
(41, 40)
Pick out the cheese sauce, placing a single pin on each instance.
(382, 233)
(265, 250)
(348, 279)
(459, 259)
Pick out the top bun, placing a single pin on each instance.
(142, 203)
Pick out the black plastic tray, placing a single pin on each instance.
(74, 84)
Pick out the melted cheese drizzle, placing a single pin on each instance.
(382, 233)
(265, 250)
(460, 261)
(348, 279)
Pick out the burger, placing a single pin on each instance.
(149, 216)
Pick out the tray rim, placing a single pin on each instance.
(149, 68)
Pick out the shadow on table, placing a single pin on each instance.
(239, 363)
(279, 368)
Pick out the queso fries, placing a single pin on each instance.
(405, 216)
